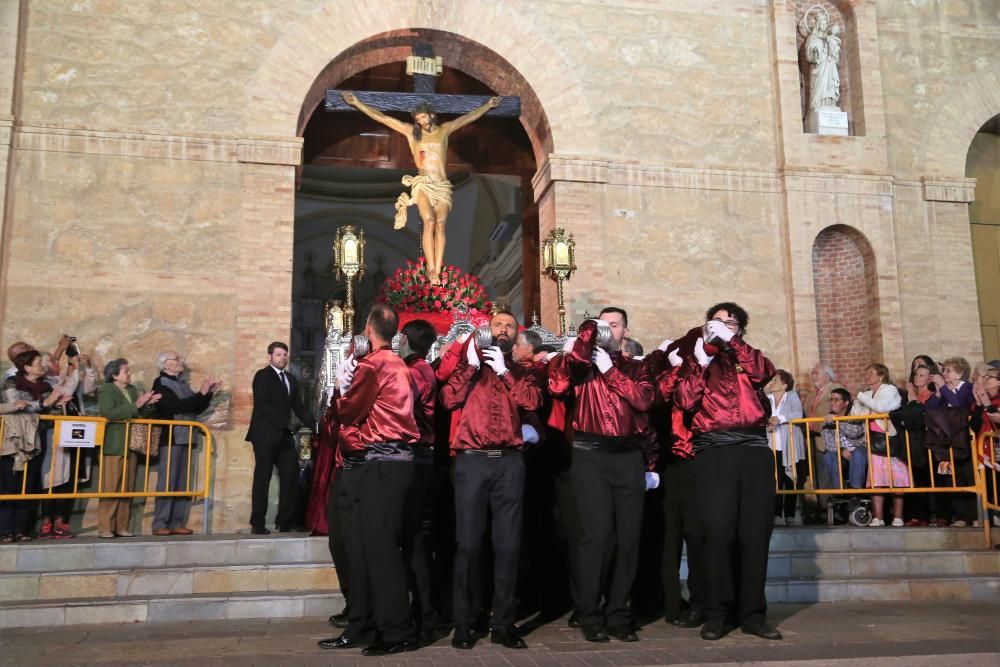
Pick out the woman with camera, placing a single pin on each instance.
(118, 401)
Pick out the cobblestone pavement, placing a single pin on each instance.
(841, 634)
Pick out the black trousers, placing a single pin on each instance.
(268, 456)
(416, 545)
(785, 505)
(380, 596)
(683, 525)
(958, 506)
(608, 488)
(339, 521)
(487, 489)
(735, 489)
(17, 516)
(570, 531)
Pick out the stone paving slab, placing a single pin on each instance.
(840, 634)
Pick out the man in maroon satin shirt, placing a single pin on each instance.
(491, 390)
(415, 342)
(718, 388)
(377, 398)
(610, 471)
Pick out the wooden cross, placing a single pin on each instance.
(423, 91)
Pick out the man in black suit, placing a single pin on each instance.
(275, 398)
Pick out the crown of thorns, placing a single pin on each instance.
(422, 107)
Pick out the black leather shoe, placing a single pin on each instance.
(506, 637)
(260, 531)
(464, 637)
(763, 630)
(689, 618)
(595, 633)
(343, 641)
(624, 634)
(339, 620)
(389, 648)
(574, 620)
(713, 630)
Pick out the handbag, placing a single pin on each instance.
(140, 434)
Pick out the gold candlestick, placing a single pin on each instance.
(559, 263)
(349, 259)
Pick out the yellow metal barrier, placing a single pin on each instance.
(977, 487)
(201, 491)
(987, 473)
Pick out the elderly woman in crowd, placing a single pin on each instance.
(178, 401)
(851, 446)
(118, 400)
(789, 449)
(879, 395)
(28, 389)
(953, 391)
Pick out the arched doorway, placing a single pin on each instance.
(352, 167)
(983, 164)
(847, 312)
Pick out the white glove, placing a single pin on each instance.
(529, 434)
(719, 330)
(662, 347)
(568, 345)
(674, 358)
(652, 480)
(345, 373)
(699, 352)
(601, 359)
(494, 359)
(472, 356)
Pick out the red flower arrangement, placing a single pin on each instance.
(409, 290)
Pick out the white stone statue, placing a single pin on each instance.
(822, 50)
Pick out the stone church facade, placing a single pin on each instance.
(149, 155)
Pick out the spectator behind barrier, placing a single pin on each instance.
(851, 449)
(27, 386)
(118, 400)
(789, 450)
(877, 396)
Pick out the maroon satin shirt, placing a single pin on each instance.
(489, 403)
(380, 400)
(723, 395)
(424, 396)
(609, 404)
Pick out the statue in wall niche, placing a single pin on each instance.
(822, 50)
(430, 189)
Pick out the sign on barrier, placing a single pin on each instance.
(79, 434)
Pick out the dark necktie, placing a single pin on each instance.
(284, 381)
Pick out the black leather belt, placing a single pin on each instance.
(490, 453)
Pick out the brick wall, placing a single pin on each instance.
(847, 311)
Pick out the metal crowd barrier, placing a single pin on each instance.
(977, 487)
(191, 487)
(988, 478)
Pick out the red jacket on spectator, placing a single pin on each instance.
(490, 404)
(723, 395)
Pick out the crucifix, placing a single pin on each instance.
(430, 189)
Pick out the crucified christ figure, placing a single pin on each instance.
(430, 189)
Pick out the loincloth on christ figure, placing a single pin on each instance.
(438, 192)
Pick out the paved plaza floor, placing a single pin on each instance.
(842, 634)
